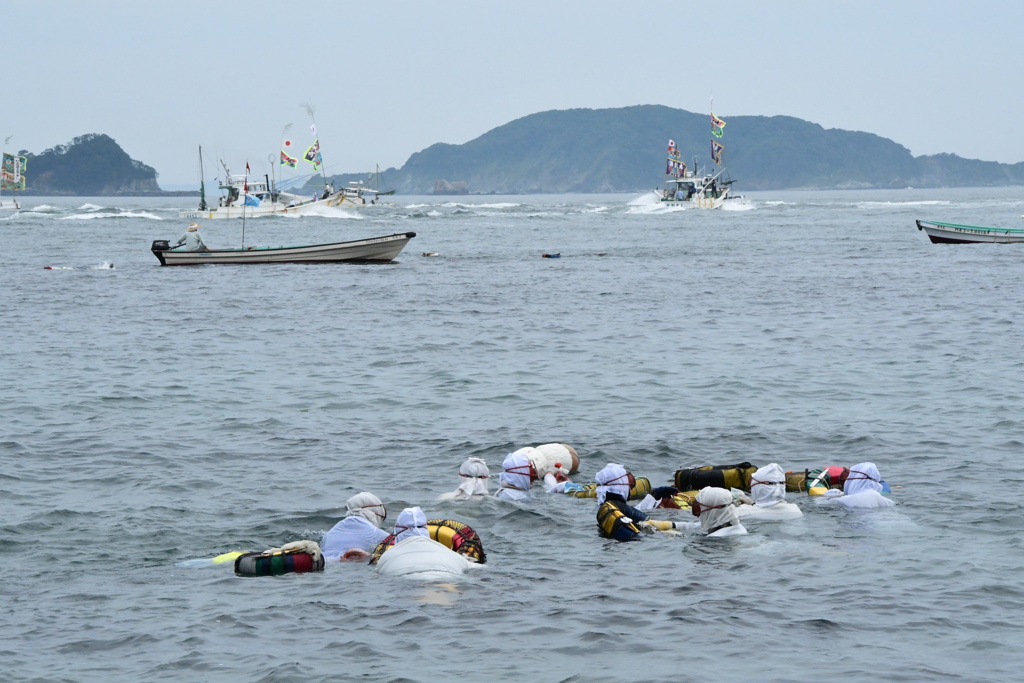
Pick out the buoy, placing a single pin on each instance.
(430, 253)
(551, 255)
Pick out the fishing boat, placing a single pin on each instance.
(12, 177)
(245, 196)
(703, 191)
(696, 188)
(251, 197)
(953, 233)
(373, 250)
(359, 192)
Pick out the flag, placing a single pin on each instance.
(716, 152)
(287, 160)
(251, 201)
(12, 173)
(717, 125)
(287, 144)
(313, 155)
(671, 146)
(247, 171)
(312, 129)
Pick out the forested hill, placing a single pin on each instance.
(623, 150)
(90, 165)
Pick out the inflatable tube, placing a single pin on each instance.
(639, 491)
(819, 480)
(719, 476)
(458, 537)
(455, 536)
(277, 563)
(421, 557)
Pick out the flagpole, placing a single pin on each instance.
(245, 194)
(316, 139)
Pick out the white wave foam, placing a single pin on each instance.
(651, 198)
(89, 207)
(325, 211)
(923, 202)
(738, 204)
(126, 214)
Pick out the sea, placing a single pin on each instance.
(155, 417)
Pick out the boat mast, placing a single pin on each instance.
(202, 182)
(245, 195)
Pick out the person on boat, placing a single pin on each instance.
(768, 492)
(474, 475)
(355, 536)
(516, 477)
(714, 507)
(616, 518)
(864, 488)
(192, 240)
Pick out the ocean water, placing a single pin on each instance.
(157, 415)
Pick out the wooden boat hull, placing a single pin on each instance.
(374, 250)
(952, 233)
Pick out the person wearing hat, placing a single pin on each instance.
(192, 240)
(359, 531)
(616, 518)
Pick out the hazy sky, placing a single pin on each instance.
(388, 79)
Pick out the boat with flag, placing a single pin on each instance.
(12, 179)
(940, 232)
(697, 188)
(248, 196)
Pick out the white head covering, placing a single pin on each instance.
(474, 483)
(612, 479)
(411, 522)
(863, 477)
(516, 472)
(768, 485)
(717, 509)
(367, 506)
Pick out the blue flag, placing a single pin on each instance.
(251, 201)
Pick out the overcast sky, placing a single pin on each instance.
(388, 79)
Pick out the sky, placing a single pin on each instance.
(388, 79)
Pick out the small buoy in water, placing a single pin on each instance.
(559, 255)
(430, 253)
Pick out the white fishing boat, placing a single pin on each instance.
(244, 195)
(12, 178)
(704, 191)
(696, 188)
(373, 250)
(953, 233)
(248, 196)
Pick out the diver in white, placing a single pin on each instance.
(863, 489)
(359, 530)
(714, 507)
(516, 477)
(768, 490)
(475, 474)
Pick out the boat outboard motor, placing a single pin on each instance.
(161, 245)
